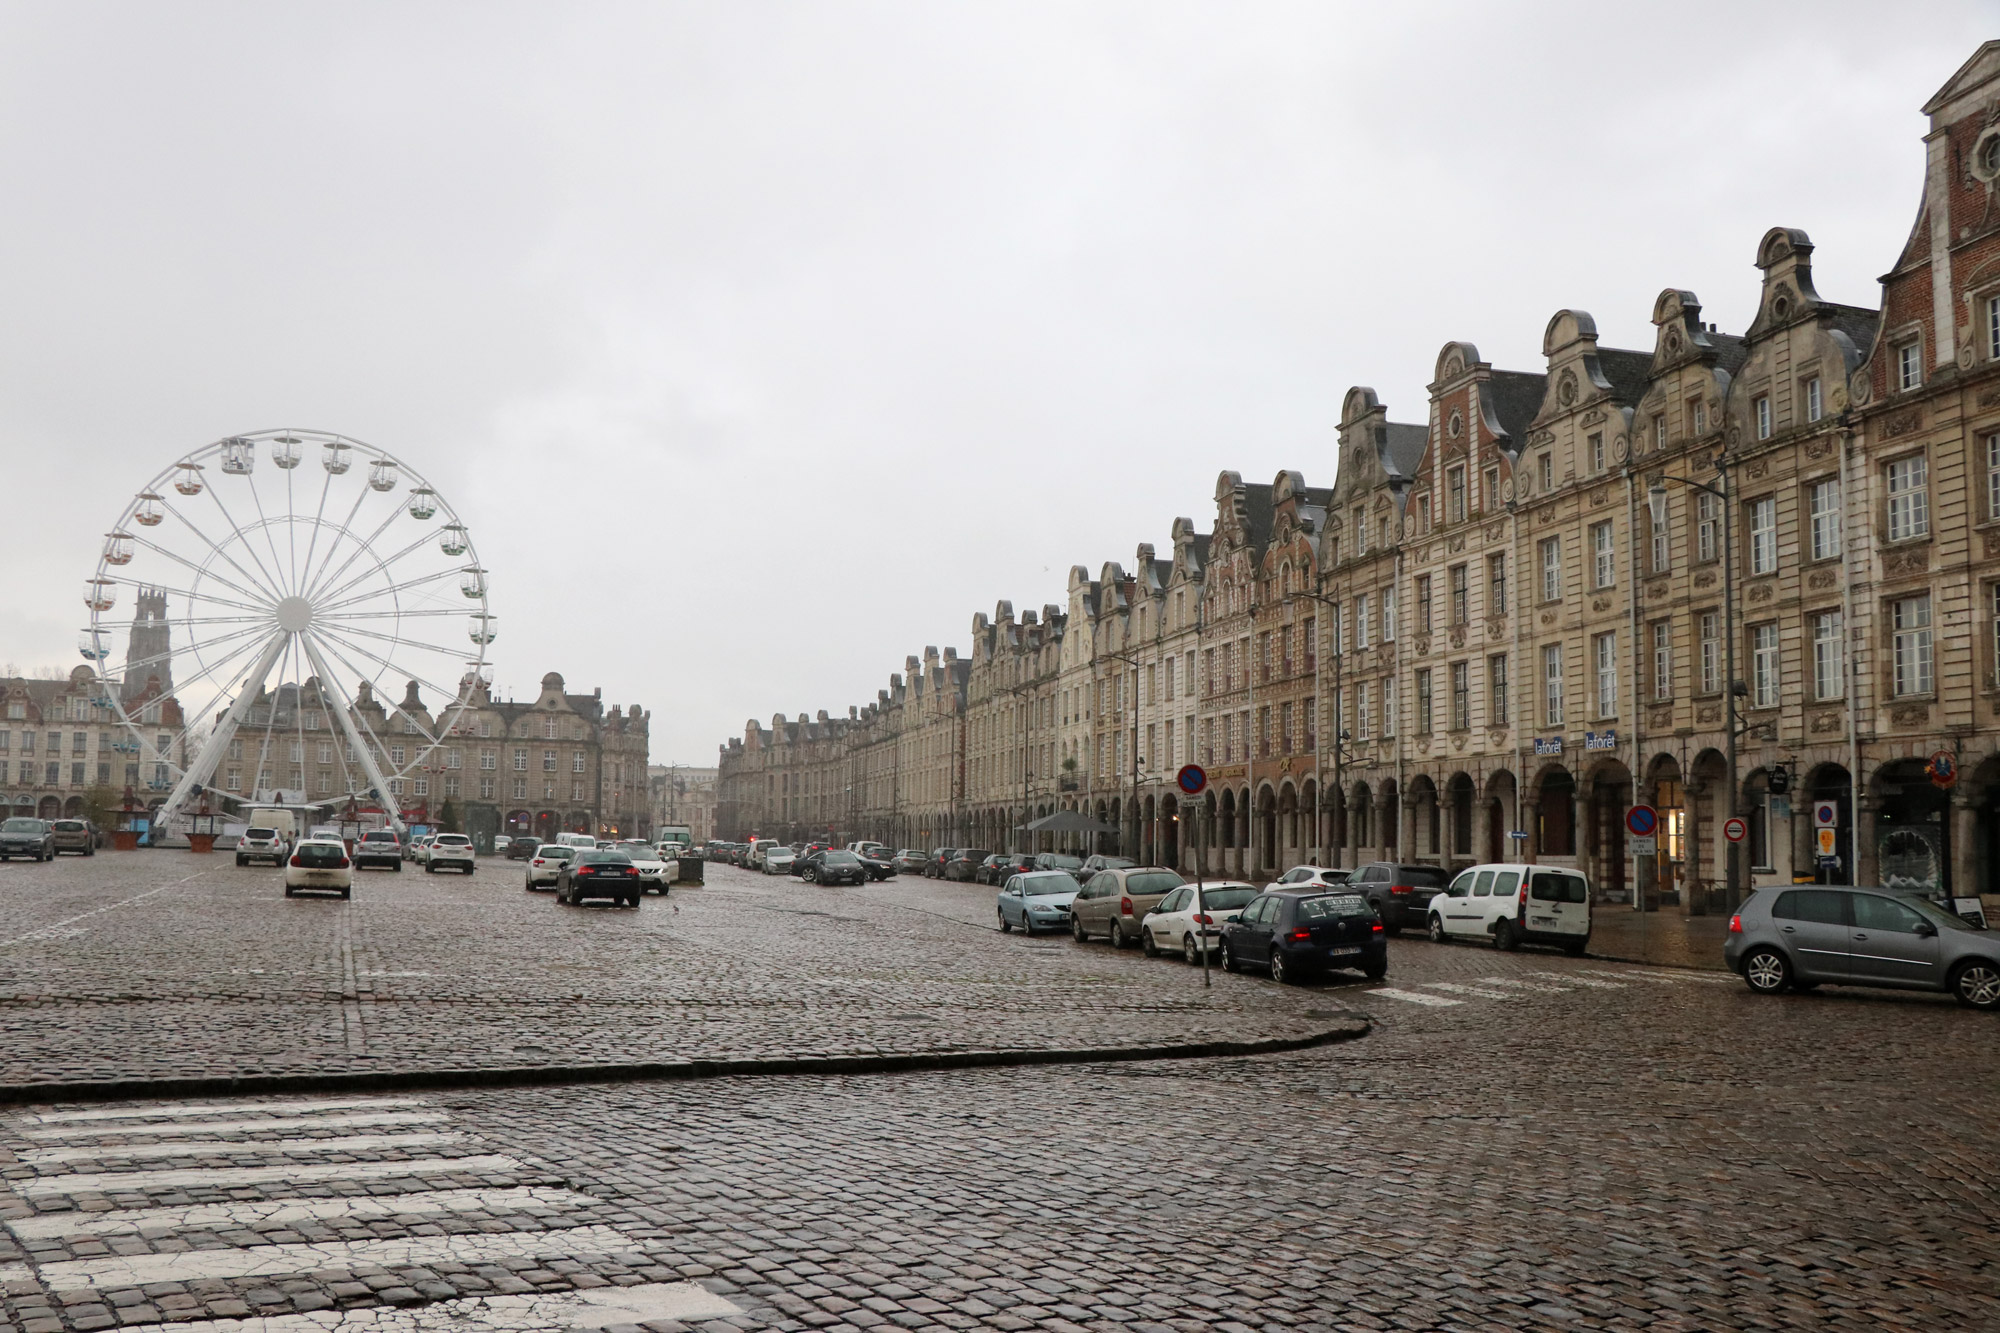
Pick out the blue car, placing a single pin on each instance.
(1037, 900)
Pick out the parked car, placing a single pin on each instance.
(1399, 892)
(1313, 877)
(419, 847)
(1036, 899)
(1183, 923)
(1796, 939)
(776, 860)
(909, 861)
(1115, 901)
(656, 872)
(1094, 864)
(31, 838)
(833, 866)
(1300, 933)
(73, 835)
(450, 851)
(518, 849)
(964, 864)
(994, 869)
(261, 844)
(321, 864)
(939, 859)
(1512, 905)
(378, 847)
(595, 873)
(545, 867)
(879, 864)
(1060, 861)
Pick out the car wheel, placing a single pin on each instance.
(1147, 946)
(1189, 952)
(1976, 984)
(288, 891)
(1386, 912)
(531, 884)
(811, 876)
(1437, 929)
(398, 867)
(1574, 948)
(1376, 971)
(1506, 936)
(1027, 924)
(1118, 940)
(429, 869)
(1280, 973)
(1767, 972)
(1076, 930)
(1229, 963)
(1006, 926)
(241, 862)
(347, 893)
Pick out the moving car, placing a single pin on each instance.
(518, 849)
(1036, 899)
(833, 867)
(1114, 902)
(593, 873)
(909, 860)
(773, 859)
(319, 863)
(964, 864)
(877, 863)
(379, 847)
(1399, 892)
(261, 844)
(501, 843)
(1795, 939)
(73, 835)
(449, 851)
(1183, 923)
(31, 838)
(1301, 933)
(545, 867)
(655, 871)
(1513, 904)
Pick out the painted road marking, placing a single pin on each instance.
(597, 1307)
(250, 1213)
(1453, 988)
(16, 1273)
(228, 1108)
(1578, 979)
(224, 1147)
(1415, 997)
(243, 1126)
(230, 1177)
(138, 1270)
(1537, 986)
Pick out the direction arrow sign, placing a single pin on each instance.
(1735, 830)
(1641, 821)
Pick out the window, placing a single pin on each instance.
(1308, 641)
(1362, 711)
(1424, 513)
(1423, 603)
(1697, 415)
(1489, 498)
(1829, 661)
(1711, 652)
(1496, 690)
(1460, 603)
(1707, 521)
(1909, 499)
(1423, 703)
(1596, 451)
(1389, 614)
(1552, 585)
(1660, 431)
(1823, 499)
(1604, 556)
(1360, 533)
(1363, 625)
(1333, 627)
(1496, 585)
(1993, 302)
(1995, 590)
(548, 761)
(1548, 466)
(520, 760)
(1910, 621)
(1454, 491)
(576, 762)
(1389, 706)
(486, 789)
(1815, 406)
(1382, 532)
(1310, 716)
(1909, 366)
(1604, 650)
(1764, 666)
(1461, 695)
(1993, 470)
(1663, 659)
(520, 789)
(1552, 685)
(1662, 552)
(1761, 406)
(1764, 535)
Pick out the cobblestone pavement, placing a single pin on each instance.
(1526, 1141)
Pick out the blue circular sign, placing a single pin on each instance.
(1641, 820)
(1193, 779)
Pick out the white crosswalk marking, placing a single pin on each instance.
(1536, 986)
(1453, 988)
(1578, 979)
(1415, 997)
(248, 1213)
(242, 1126)
(223, 1147)
(594, 1308)
(232, 1177)
(230, 1108)
(16, 1273)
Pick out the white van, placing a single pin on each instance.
(1514, 904)
(575, 840)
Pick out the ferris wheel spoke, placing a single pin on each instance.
(166, 654)
(199, 571)
(221, 670)
(203, 764)
(264, 525)
(344, 635)
(220, 552)
(391, 590)
(349, 717)
(215, 497)
(360, 548)
(319, 513)
(335, 643)
(403, 613)
(381, 565)
(188, 593)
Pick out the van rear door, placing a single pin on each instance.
(1558, 903)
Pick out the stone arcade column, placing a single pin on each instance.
(1866, 869)
(1357, 810)
(1964, 816)
(1531, 821)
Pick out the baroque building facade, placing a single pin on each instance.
(1743, 575)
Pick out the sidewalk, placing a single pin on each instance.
(1664, 938)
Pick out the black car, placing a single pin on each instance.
(939, 859)
(522, 849)
(992, 869)
(832, 867)
(598, 874)
(1301, 933)
(879, 864)
(32, 838)
(1000, 867)
(1399, 892)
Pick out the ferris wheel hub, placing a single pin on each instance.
(294, 614)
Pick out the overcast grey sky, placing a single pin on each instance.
(761, 345)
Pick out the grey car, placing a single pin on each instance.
(1796, 938)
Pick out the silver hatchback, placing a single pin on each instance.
(1796, 938)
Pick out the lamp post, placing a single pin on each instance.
(1656, 501)
(1133, 808)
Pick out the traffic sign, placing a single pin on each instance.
(1735, 830)
(1642, 847)
(1826, 840)
(1826, 814)
(1192, 779)
(1641, 821)
(1943, 768)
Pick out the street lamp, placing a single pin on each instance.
(1656, 501)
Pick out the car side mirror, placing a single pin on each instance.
(1926, 929)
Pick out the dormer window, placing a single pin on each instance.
(1548, 465)
(1762, 408)
(1596, 451)
(1909, 365)
(1815, 405)
(1454, 485)
(1993, 309)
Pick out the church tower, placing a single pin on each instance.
(149, 651)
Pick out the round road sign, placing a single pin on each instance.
(1943, 768)
(1642, 821)
(1735, 830)
(1193, 779)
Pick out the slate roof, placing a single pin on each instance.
(1626, 370)
(1257, 513)
(1516, 396)
(1730, 351)
(1403, 449)
(1859, 324)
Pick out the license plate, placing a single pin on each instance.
(1347, 951)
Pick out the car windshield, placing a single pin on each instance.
(842, 859)
(970, 855)
(21, 826)
(595, 858)
(1049, 883)
(1114, 862)
(454, 840)
(1328, 905)
(1422, 877)
(260, 833)
(320, 853)
(1153, 881)
(378, 836)
(1224, 900)
(1064, 862)
(556, 853)
(1553, 887)
(1934, 914)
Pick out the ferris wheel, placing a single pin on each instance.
(312, 605)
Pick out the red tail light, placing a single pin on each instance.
(1125, 906)
(586, 870)
(295, 861)
(1203, 919)
(1300, 935)
(1400, 888)
(1524, 895)
(1736, 925)
(1376, 928)
(342, 864)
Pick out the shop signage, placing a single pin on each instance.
(1600, 740)
(1549, 745)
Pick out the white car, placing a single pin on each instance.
(1312, 877)
(654, 874)
(320, 863)
(1174, 926)
(546, 865)
(451, 851)
(261, 844)
(776, 860)
(1514, 904)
